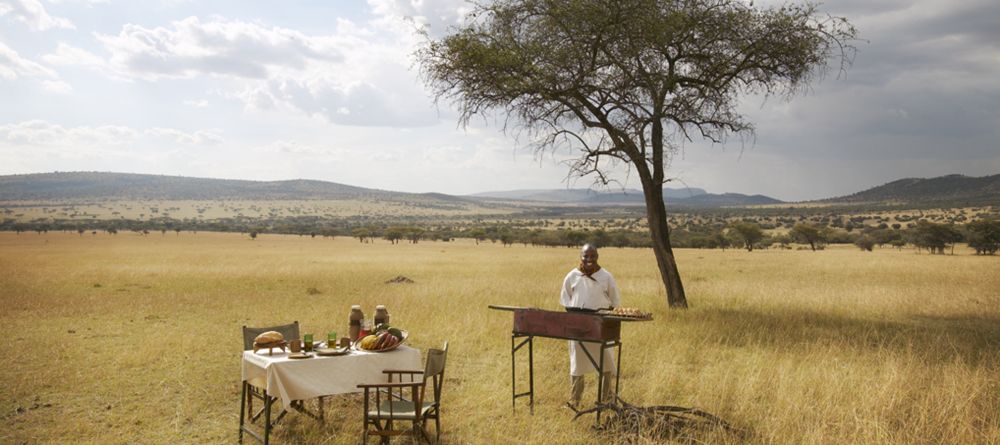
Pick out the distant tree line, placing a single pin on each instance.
(981, 235)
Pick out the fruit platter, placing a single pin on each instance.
(385, 338)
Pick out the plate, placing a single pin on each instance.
(326, 352)
(299, 355)
(406, 334)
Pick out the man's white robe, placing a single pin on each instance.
(596, 292)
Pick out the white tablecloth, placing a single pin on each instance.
(301, 379)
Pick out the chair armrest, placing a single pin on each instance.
(402, 371)
(390, 385)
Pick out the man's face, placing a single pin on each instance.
(589, 257)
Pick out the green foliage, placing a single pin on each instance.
(810, 234)
(865, 242)
(984, 236)
(747, 234)
(933, 236)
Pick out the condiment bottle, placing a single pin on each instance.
(381, 315)
(354, 325)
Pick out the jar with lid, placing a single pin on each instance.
(354, 325)
(381, 315)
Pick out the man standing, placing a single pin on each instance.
(588, 286)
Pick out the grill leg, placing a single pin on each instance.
(531, 374)
(513, 374)
(600, 384)
(618, 372)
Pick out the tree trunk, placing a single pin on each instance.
(656, 215)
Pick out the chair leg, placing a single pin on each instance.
(250, 408)
(437, 427)
(243, 406)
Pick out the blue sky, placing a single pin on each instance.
(327, 90)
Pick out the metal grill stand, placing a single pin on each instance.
(577, 326)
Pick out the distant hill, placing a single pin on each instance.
(90, 185)
(952, 190)
(723, 200)
(687, 197)
(580, 195)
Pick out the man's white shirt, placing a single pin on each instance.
(598, 291)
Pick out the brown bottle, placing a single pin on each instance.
(354, 325)
(381, 315)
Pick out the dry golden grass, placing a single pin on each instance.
(130, 339)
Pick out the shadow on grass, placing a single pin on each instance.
(974, 339)
(631, 424)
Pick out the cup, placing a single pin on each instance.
(345, 342)
(307, 342)
(331, 339)
(295, 345)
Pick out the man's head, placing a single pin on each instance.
(588, 255)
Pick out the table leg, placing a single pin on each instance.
(267, 417)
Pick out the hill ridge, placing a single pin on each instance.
(955, 189)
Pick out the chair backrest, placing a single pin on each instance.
(434, 369)
(289, 331)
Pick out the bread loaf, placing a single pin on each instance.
(269, 337)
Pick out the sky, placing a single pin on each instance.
(329, 90)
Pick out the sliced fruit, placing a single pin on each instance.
(396, 333)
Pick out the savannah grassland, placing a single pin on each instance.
(132, 339)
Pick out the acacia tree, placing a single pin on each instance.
(747, 233)
(984, 236)
(629, 81)
(810, 234)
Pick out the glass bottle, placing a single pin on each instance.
(354, 324)
(381, 315)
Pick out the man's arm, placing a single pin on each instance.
(566, 298)
(613, 295)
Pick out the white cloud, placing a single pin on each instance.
(296, 148)
(89, 3)
(33, 14)
(201, 137)
(359, 75)
(69, 55)
(44, 134)
(196, 103)
(436, 15)
(12, 65)
(190, 47)
(57, 86)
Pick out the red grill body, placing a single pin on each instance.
(567, 325)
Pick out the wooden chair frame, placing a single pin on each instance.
(249, 392)
(393, 394)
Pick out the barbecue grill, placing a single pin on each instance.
(578, 325)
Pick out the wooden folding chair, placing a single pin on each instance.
(391, 404)
(255, 389)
